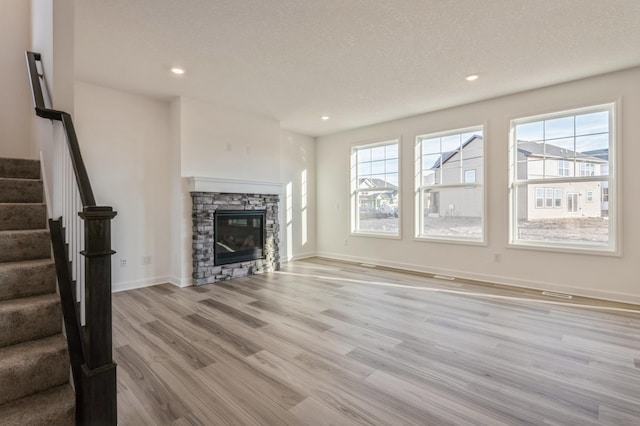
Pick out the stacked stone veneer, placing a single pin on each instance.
(205, 204)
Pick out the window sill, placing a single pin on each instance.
(376, 235)
(460, 241)
(563, 248)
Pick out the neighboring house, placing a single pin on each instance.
(603, 154)
(464, 165)
(560, 200)
(383, 197)
(535, 161)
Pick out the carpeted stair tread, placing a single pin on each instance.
(34, 359)
(33, 367)
(27, 278)
(29, 318)
(13, 190)
(24, 245)
(18, 216)
(19, 168)
(55, 406)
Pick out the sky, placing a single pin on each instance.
(579, 133)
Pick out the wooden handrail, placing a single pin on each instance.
(90, 346)
(82, 178)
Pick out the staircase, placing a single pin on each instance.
(34, 361)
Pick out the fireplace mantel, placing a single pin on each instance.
(235, 186)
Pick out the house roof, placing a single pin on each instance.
(446, 156)
(377, 183)
(536, 149)
(603, 154)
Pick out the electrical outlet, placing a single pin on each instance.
(146, 260)
(346, 242)
(123, 263)
(497, 257)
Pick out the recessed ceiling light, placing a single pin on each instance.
(325, 117)
(177, 70)
(472, 77)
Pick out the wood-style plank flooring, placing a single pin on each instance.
(328, 343)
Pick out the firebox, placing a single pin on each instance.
(238, 236)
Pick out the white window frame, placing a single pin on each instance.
(355, 190)
(421, 189)
(564, 168)
(613, 248)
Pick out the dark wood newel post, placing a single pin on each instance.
(99, 370)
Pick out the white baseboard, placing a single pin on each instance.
(300, 256)
(180, 282)
(147, 282)
(492, 279)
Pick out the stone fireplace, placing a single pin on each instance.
(235, 234)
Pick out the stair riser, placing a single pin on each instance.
(34, 373)
(22, 280)
(22, 216)
(20, 191)
(30, 322)
(18, 168)
(24, 246)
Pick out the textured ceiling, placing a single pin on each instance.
(358, 61)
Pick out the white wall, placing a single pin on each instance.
(126, 144)
(15, 101)
(219, 142)
(138, 153)
(298, 215)
(224, 143)
(592, 275)
(52, 35)
(179, 246)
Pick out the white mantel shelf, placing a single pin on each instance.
(233, 186)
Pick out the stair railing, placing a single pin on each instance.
(81, 240)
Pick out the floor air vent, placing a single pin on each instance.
(444, 277)
(558, 295)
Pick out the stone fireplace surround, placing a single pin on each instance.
(209, 195)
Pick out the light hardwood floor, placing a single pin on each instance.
(328, 343)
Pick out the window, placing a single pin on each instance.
(470, 176)
(449, 169)
(557, 196)
(587, 169)
(548, 198)
(572, 202)
(375, 189)
(563, 168)
(563, 153)
(540, 198)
